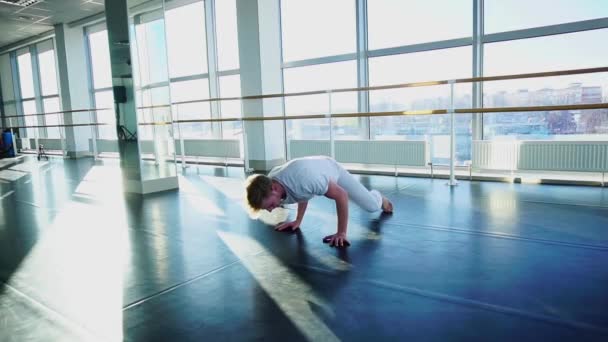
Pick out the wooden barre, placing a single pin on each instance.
(406, 85)
(60, 112)
(411, 112)
(68, 125)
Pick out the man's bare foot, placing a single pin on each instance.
(387, 206)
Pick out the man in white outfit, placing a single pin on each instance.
(301, 179)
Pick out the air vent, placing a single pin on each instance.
(21, 3)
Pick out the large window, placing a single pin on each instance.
(186, 41)
(26, 87)
(152, 69)
(101, 75)
(320, 77)
(48, 74)
(318, 28)
(415, 67)
(413, 41)
(105, 99)
(197, 69)
(228, 67)
(566, 51)
(52, 117)
(151, 72)
(192, 91)
(49, 89)
(29, 107)
(508, 15)
(38, 90)
(100, 59)
(26, 76)
(395, 23)
(227, 35)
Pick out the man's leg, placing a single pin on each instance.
(368, 200)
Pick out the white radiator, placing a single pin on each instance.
(104, 145)
(220, 148)
(410, 153)
(586, 156)
(111, 145)
(582, 156)
(48, 143)
(495, 155)
(193, 147)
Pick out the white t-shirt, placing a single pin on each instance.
(304, 178)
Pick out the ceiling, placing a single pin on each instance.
(20, 19)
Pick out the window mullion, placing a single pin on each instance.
(363, 69)
(40, 120)
(478, 32)
(214, 89)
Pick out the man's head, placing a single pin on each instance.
(263, 193)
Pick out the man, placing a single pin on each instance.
(301, 179)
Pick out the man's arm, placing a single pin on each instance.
(338, 194)
(293, 225)
(301, 210)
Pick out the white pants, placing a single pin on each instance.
(368, 200)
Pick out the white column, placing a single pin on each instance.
(260, 63)
(73, 80)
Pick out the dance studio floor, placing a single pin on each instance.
(81, 261)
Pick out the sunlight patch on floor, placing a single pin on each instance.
(292, 295)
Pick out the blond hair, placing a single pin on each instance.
(258, 187)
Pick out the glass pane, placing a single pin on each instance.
(48, 74)
(157, 96)
(152, 57)
(397, 22)
(51, 105)
(552, 53)
(568, 51)
(433, 65)
(191, 91)
(423, 66)
(230, 86)
(186, 41)
(310, 129)
(321, 77)
(26, 78)
(105, 99)
(227, 35)
(579, 125)
(100, 59)
(501, 15)
(196, 130)
(317, 28)
(29, 107)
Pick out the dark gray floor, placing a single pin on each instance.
(483, 261)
